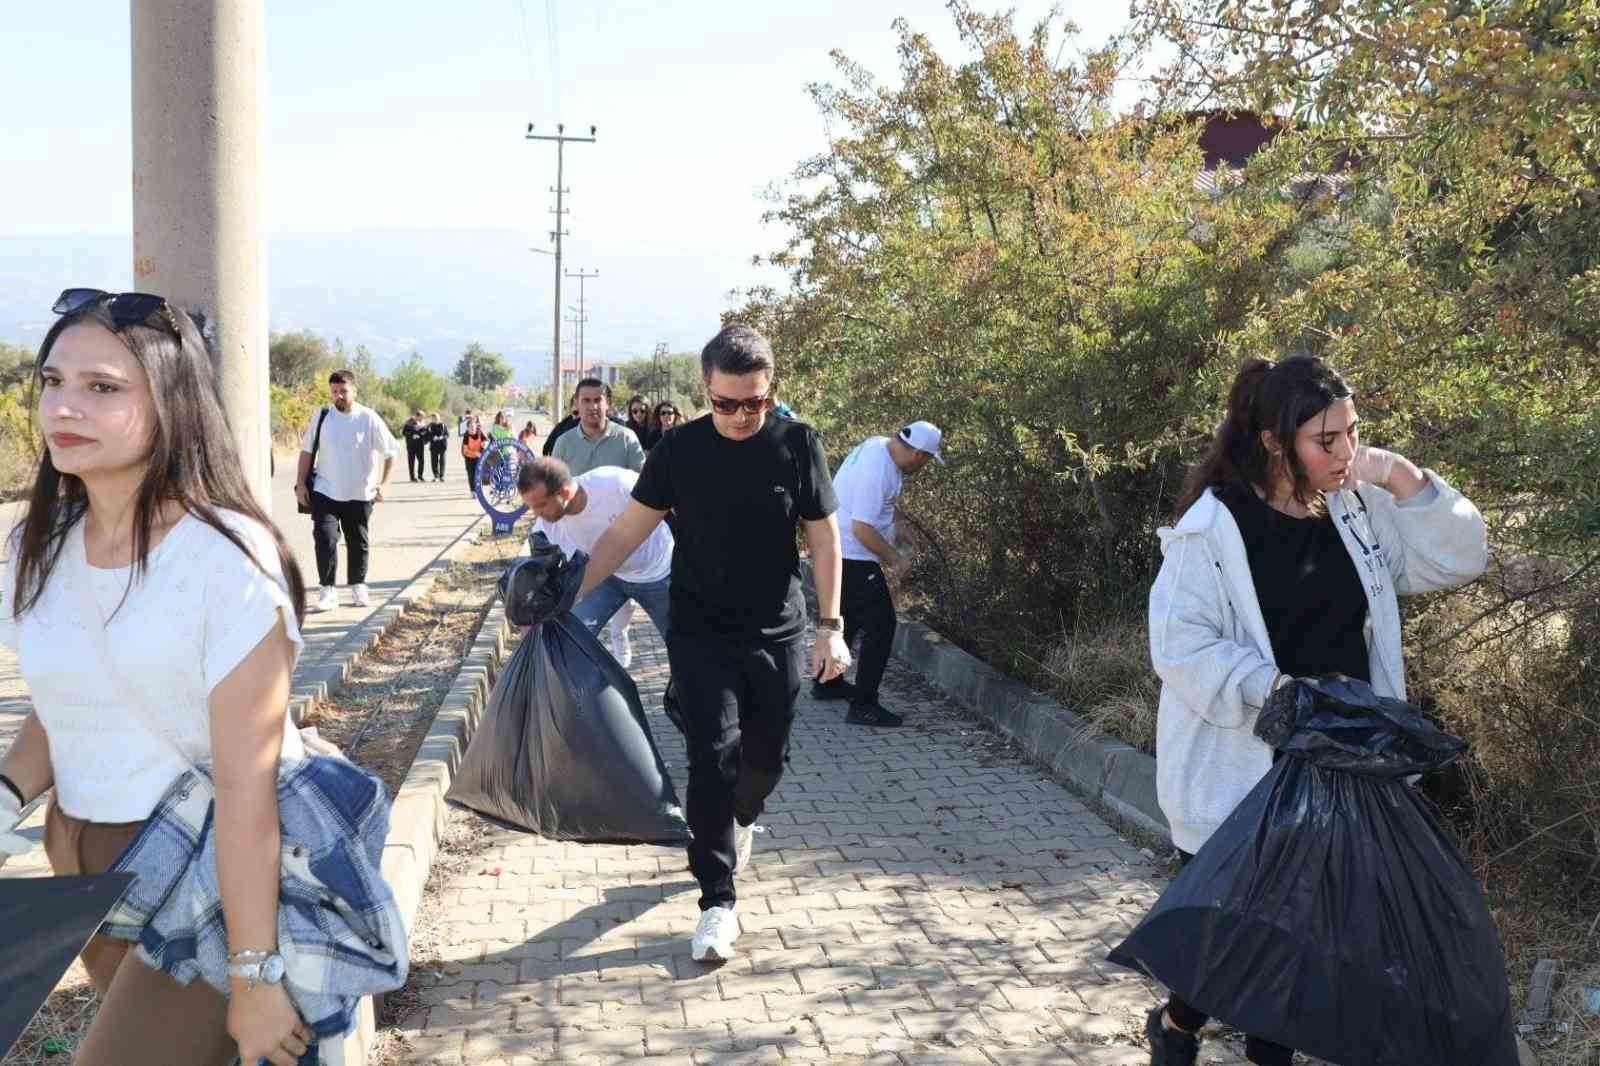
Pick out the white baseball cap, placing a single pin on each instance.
(925, 437)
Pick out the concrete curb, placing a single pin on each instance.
(320, 682)
(1050, 736)
(417, 815)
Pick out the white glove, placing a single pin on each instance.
(1372, 465)
(830, 644)
(10, 815)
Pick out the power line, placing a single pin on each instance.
(555, 62)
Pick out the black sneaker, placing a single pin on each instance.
(873, 713)
(837, 689)
(1169, 1047)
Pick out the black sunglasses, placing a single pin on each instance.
(125, 308)
(754, 405)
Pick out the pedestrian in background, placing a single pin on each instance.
(155, 611)
(415, 432)
(868, 484)
(597, 440)
(1291, 543)
(438, 439)
(527, 434)
(662, 420)
(342, 482)
(639, 417)
(502, 426)
(473, 442)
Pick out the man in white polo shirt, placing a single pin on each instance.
(574, 512)
(346, 458)
(868, 484)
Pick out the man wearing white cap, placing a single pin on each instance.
(867, 484)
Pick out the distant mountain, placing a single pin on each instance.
(432, 291)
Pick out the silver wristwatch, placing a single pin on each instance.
(256, 967)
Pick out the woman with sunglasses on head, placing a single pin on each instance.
(155, 612)
(662, 421)
(1291, 544)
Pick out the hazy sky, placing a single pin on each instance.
(409, 114)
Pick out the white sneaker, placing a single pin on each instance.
(329, 599)
(714, 936)
(744, 842)
(358, 595)
(625, 656)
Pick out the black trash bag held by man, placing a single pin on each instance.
(1329, 912)
(563, 749)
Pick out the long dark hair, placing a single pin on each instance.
(1277, 398)
(193, 460)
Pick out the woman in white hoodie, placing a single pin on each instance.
(1291, 544)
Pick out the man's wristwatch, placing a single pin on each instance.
(256, 967)
(826, 624)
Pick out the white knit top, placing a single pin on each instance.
(118, 711)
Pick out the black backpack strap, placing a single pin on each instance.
(316, 444)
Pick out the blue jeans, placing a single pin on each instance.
(606, 598)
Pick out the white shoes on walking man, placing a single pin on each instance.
(328, 599)
(715, 935)
(718, 930)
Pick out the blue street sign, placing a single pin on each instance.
(497, 482)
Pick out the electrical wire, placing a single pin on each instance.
(555, 56)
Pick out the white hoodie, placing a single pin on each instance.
(1209, 643)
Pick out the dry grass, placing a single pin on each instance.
(1102, 672)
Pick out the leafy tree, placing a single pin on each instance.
(414, 385)
(481, 368)
(296, 358)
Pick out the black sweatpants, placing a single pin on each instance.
(472, 473)
(1258, 1051)
(328, 518)
(869, 611)
(436, 453)
(415, 460)
(737, 697)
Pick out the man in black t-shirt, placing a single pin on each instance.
(740, 482)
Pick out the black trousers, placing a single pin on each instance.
(869, 611)
(436, 453)
(328, 519)
(415, 460)
(472, 472)
(737, 697)
(1258, 1051)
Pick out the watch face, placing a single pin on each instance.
(272, 969)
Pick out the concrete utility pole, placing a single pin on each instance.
(659, 358)
(583, 317)
(561, 139)
(197, 192)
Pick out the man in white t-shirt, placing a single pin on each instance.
(575, 511)
(868, 484)
(354, 456)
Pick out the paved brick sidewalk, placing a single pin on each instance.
(921, 897)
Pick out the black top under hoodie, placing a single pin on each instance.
(1308, 587)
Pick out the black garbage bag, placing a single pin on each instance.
(563, 749)
(1329, 912)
